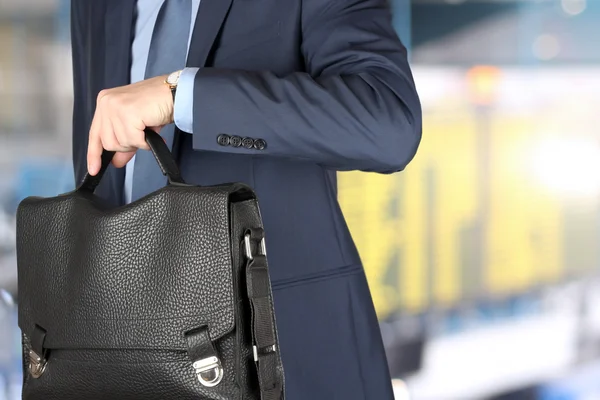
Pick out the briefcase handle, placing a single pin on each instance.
(161, 152)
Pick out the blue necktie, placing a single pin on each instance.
(168, 50)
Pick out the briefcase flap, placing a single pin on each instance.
(138, 276)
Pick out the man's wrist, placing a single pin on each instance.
(168, 98)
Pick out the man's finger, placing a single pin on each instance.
(123, 138)
(94, 155)
(121, 159)
(108, 138)
(141, 135)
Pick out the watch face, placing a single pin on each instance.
(173, 78)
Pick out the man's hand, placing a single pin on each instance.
(121, 116)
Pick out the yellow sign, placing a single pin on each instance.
(426, 237)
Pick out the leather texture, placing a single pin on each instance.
(117, 291)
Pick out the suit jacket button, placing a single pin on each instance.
(235, 141)
(223, 139)
(248, 143)
(260, 144)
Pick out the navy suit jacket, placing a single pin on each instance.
(326, 86)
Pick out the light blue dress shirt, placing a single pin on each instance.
(147, 12)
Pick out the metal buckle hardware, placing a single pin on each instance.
(37, 365)
(266, 350)
(248, 247)
(209, 371)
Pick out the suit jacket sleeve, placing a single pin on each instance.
(356, 107)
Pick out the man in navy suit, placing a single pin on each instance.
(278, 94)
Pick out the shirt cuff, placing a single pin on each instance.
(183, 114)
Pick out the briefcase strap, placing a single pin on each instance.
(161, 152)
(264, 337)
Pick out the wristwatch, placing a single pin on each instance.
(172, 80)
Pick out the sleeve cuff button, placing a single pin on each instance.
(248, 143)
(260, 144)
(223, 139)
(235, 141)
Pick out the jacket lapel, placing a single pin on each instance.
(118, 32)
(209, 20)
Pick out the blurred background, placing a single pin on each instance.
(482, 256)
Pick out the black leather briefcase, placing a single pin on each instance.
(168, 297)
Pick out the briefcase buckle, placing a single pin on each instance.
(37, 364)
(259, 352)
(209, 371)
(262, 250)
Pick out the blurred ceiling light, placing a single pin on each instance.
(546, 47)
(568, 166)
(573, 7)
